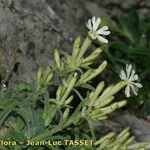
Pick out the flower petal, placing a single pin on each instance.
(106, 33)
(128, 69)
(97, 23)
(93, 22)
(135, 77)
(123, 75)
(104, 28)
(89, 24)
(103, 31)
(127, 91)
(137, 85)
(129, 76)
(101, 39)
(134, 89)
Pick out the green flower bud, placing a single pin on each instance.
(45, 74)
(39, 74)
(76, 48)
(109, 109)
(104, 102)
(117, 146)
(65, 114)
(113, 107)
(83, 77)
(50, 76)
(93, 56)
(137, 146)
(69, 100)
(130, 140)
(87, 42)
(58, 93)
(69, 88)
(57, 57)
(122, 133)
(110, 91)
(123, 138)
(108, 136)
(96, 71)
(96, 93)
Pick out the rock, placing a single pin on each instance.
(30, 30)
(95, 9)
(139, 127)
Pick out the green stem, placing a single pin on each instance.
(48, 133)
(52, 115)
(58, 128)
(92, 130)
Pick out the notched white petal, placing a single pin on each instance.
(96, 32)
(128, 69)
(123, 75)
(127, 91)
(130, 77)
(134, 89)
(138, 85)
(100, 38)
(97, 23)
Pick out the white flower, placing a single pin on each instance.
(95, 32)
(130, 77)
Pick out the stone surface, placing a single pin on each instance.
(30, 30)
(139, 128)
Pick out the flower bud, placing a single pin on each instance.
(39, 74)
(93, 56)
(57, 57)
(69, 100)
(76, 48)
(96, 71)
(108, 136)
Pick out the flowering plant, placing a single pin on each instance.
(31, 113)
